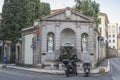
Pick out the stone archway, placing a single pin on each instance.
(67, 42)
(67, 36)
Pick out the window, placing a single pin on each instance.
(113, 35)
(113, 46)
(113, 41)
(109, 41)
(113, 26)
(109, 36)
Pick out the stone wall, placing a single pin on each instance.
(112, 52)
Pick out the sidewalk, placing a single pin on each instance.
(106, 66)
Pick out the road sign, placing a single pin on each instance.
(33, 45)
(101, 41)
(38, 38)
(4, 59)
(100, 38)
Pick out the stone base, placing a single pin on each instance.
(60, 65)
(50, 65)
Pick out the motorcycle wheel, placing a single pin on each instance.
(86, 74)
(67, 74)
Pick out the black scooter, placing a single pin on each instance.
(86, 67)
(70, 67)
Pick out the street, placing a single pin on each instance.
(13, 74)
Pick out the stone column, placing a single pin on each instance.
(43, 43)
(91, 44)
(18, 51)
(7, 49)
(57, 41)
(78, 42)
(22, 61)
(36, 50)
(57, 38)
(91, 40)
(43, 40)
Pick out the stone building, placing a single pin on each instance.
(42, 43)
(103, 27)
(118, 44)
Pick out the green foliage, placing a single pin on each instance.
(44, 8)
(19, 14)
(89, 8)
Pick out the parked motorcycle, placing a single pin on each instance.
(70, 67)
(86, 67)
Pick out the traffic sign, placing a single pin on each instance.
(4, 59)
(38, 38)
(101, 41)
(100, 38)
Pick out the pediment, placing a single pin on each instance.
(67, 15)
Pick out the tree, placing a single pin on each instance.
(19, 14)
(39, 9)
(44, 8)
(89, 8)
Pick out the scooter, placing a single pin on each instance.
(70, 67)
(86, 67)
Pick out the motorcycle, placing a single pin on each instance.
(86, 67)
(70, 67)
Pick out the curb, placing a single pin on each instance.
(93, 71)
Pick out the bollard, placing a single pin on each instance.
(101, 70)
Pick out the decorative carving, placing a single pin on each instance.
(50, 43)
(84, 42)
(67, 12)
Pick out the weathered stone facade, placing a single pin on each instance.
(65, 26)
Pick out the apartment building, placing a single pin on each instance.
(112, 35)
(103, 28)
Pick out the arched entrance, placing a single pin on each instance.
(67, 41)
(67, 36)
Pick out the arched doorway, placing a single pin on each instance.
(67, 41)
(67, 36)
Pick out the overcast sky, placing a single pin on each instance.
(110, 7)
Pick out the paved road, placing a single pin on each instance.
(115, 70)
(13, 74)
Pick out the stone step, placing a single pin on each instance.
(58, 65)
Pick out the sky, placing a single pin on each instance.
(110, 7)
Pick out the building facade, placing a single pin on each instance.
(112, 35)
(103, 28)
(43, 43)
(118, 44)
